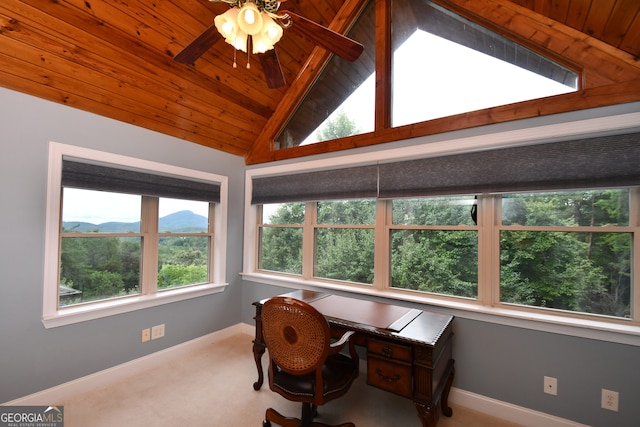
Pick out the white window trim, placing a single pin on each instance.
(52, 316)
(437, 145)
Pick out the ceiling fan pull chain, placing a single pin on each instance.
(235, 64)
(248, 56)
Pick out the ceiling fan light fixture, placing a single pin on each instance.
(250, 19)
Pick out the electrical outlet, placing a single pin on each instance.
(610, 400)
(146, 335)
(551, 385)
(157, 332)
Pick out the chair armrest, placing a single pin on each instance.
(336, 347)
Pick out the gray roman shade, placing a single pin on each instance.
(349, 183)
(607, 161)
(106, 178)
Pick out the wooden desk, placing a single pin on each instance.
(410, 356)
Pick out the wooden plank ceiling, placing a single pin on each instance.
(115, 58)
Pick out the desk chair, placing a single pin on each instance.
(304, 366)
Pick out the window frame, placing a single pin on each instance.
(487, 307)
(54, 316)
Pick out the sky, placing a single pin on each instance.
(96, 207)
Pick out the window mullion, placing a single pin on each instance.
(381, 266)
(308, 239)
(634, 222)
(488, 249)
(150, 240)
(258, 237)
(212, 246)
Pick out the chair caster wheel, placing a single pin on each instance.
(266, 423)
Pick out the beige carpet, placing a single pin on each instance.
(213, 387)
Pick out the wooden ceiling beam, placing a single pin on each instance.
(262, 148)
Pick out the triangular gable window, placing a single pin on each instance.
(442, 65)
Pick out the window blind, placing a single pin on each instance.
(608, 161)
(106, 178)
(348, 183)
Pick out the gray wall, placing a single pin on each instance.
(33, 358)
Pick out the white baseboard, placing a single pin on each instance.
(507, 411)
(476, 402)
(108, 376)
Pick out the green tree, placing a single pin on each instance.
(345, 253)
(436, 261)
(586, 272)
(339, 127)
(102, 284)
(439, 261)
(281, 248)
(177, 275)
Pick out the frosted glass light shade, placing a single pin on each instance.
(250, 19)
(226, 24)
(268, 37)
(271, 30)
(239, 41)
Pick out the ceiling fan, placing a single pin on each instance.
(246, 13)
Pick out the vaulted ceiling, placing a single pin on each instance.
(115, 58)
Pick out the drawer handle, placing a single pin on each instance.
(387, 351)
(396, 377)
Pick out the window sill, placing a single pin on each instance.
(90, 311)
(622, 333)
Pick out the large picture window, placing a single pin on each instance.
(569, 251)
(125, 233)
(549, 228)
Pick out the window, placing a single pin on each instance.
(341, 101)
(434, 245)
(281, 237)
(124, 233)
(100, 253)
(457, 66)
(568, 251)
(441, 65)
(480, 229)
(344, 240)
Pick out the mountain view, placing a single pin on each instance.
(182, 221)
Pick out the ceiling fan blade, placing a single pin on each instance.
(326, 38)
(272, 69)
(198, 46)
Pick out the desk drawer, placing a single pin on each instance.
(389, 350)
(390, 376)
